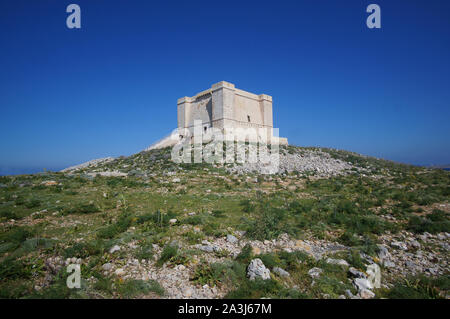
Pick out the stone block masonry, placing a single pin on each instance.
(228, 108)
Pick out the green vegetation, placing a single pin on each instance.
(84, 250)
(121, 225)
(132, 288)
(297, 264)
(436, 222)
(418, 287)
(82, 216)
(82, 209)
(169, 252)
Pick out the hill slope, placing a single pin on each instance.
(326, 226)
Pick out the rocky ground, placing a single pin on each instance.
(401, 255)
(89, 164)
(329, 224)
(286, 160)
(312, 161)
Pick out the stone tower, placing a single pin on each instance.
(226, 107)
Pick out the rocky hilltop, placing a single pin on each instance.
(328, 224)
(317, 161)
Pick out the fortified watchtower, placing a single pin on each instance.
(226, 107)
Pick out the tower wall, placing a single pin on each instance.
(226, 107)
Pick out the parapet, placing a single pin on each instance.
(222, 84)
(265, 97)
(227, 85)
(184, 100)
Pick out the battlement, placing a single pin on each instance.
(226, 107)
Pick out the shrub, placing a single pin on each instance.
(369, 245)
(19, 201)
(8, 214)
(268, 225)
(255, 289)
(17, 235)
(193, 237)
(331, 286)
(218, 213)
(169, 251)
(37, 243)
(214, 229)
(435, 222)
(158, 218)
(355, 259)
(247, 206)
(419, 287)
(71, 192)
(144, 252)
(245, 255)
(84, 250)
(299, 207)
(82, 209)
(222, 253)
(113, 230)
(33, 203)
(104, 284)
(13, 269)
(219, 273)
(438, 216)
(229, 273)
(133, 287)
(7, 247)
(59, 289)
(14, 289)
(194, 220)
(289, 261)
(270, 260)
(349, 238)
(204, 274)
(359, 223)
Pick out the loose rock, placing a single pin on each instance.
(315, 272)
(281, 272)
(114, 249)
(256, 269)
(232, 239)
(356, 273)
(361, 284)
(374, 273)
(120, 272)
(107, 266)
(366, 294)
(340, 262)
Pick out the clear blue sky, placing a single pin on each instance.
(110, 88)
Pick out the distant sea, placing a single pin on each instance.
(446, 169)
(20, 171)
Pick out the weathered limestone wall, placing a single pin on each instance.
(247, 110)
(226, 107)
(190, 109)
